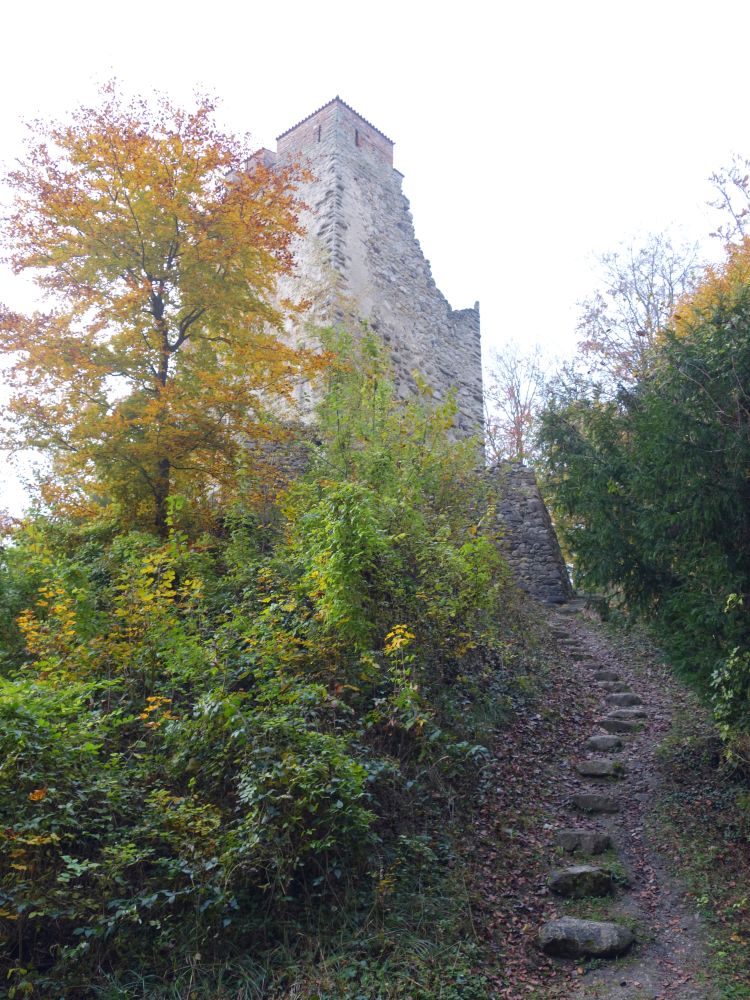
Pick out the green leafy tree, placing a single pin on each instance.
(651, 485)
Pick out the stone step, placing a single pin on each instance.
(612, 725)
(601, 744)
(580, 656)
(628, 713)
(614, 687)
(580, 881)
(624, 699)
(595, 802)
(600, 767)
(606, 675)
(569, 937)
(572, 607)
(585, 841)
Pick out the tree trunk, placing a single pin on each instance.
(163, 465)
(161, 496)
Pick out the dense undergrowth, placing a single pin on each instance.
(649, 479)
(231, 760)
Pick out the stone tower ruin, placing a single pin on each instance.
(360, 259)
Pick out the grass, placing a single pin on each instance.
(704, 820)
(418, 944)
(599, 908)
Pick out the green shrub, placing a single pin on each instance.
(209, 741)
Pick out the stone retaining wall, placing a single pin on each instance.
(529, 540)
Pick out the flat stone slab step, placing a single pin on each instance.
(569, 937)
(595, 802)
(613, 725)
(606, 675)
(628, 713)
(579, 656)
(624, 698)
(614, 687)
(602, 744)
(600, 767)
(585, 841)
(572, 607)
(581, 881)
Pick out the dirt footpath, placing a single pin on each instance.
(540, 784)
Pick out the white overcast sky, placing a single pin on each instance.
(531, 135)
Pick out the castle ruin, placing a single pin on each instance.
(360, 258)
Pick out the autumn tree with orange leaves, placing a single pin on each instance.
(157, 366)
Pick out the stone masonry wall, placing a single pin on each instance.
(360, 258)
(529, 541)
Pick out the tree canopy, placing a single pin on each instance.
(651, 483)
(642, 284)
(159, 363)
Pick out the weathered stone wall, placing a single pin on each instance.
(529, 540)
(361, 259)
